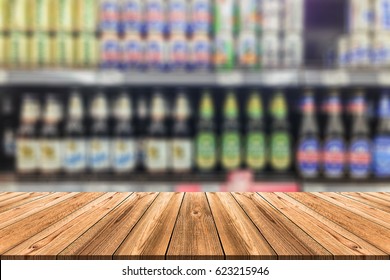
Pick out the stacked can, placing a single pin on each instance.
(4, 21)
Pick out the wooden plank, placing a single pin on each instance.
(287, 239)
(31, 225)
(373, 233)
(16, 214)
(149, 239)
(337, 240)
(195, 236)
(364, 210)
(9, 195)
(20, 200)
(239, 236)
(52, 240)
(103, 239)
(369, 200)
(380, 196)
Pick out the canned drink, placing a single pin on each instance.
(293, 15)
(3, 52)
(360, 50)
(132, 16)
(248, 50)
(64, 55)
(177, 17)
(87, 14)
(360, 15)
(18, 49)
(248, 15)
(382, 15)
(200, 52)
(86, 50)
(200, 11)
(109, 16)
(343, 54)
(4, 15)
(156, 53)
(224, 16)
(224, 51)
(133, 56)
(271, 15)
(293, 50)
(41, 10)
(155, 16)
(65, 15)
(381, 50)
(110, 52)
(270, 50)
(20, 13)
(178, 53)
(41, 50)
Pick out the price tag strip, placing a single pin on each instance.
(335, 78)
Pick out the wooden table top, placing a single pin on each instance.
(195, 225)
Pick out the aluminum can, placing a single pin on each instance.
(20, 15)
(132, 16)
(41, 15)
(360, 50)
(86, 50)
(200, 17)
(247, 50)
(293, 15)
(382, 15)
(4, 15)
(343, 52)
(224, 16)
(41, 50)
(293, 50)
(224, 51)
(3, 50)
(64, 52)
(65, 15)
(200, 51)
(19, 50)
(271, 11)
(381, 50)
(109, 16)
(270, 50)
(110, 51)
(87, 15)
(178, 53)
(360, 15)
(177, 17)
(248, 15)
(156, 53)
(133, 56)
(156, 14)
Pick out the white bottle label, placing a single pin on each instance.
(99, 154)
(157, 155)
(51, 159)
(182, 155)
(124, 155)
(75, 159)
(27, 155)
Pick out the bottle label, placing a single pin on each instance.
(182, 155)
(280, 151)
(75, 158)
(99, 154)
(360, 158)
(9, 143)
(256, 151)
(231, 150)
(157, 155)
(334, 158)
(51, 159)
(382, 157)
(309, 157)
(124, 155)
(27, 155)
(206, 157)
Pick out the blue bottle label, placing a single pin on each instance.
(360, 158)
(382, 157)
(334, 158)
(309, 157)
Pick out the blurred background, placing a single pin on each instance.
(195, 95)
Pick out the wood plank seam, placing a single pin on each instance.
(24, 201)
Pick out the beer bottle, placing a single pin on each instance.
(157, 160)
(182, 146)
(360, 149)
(256, 155)
(27, 146)
(124, 145)
(206, 139)
(7, 129)
(231, 136)
(382, 139)
(99, 142)
(280, 142)
(50, 142)
(142, 126)
(308, 151)
(75, 158)
(334, 146)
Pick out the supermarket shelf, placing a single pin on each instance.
(278, 78)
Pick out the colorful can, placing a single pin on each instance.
(360, 15)
(65, 15)
(20, 15)
(270, 50)
(200, 17)
(3, 50)
(224, 51)
(110, 52)
(109, 16)
(343, 52)
(360, 50)
(293, 50)
(132, 16)
(177, 17)
(64, 55)
(4, 15)
(224, 16)
(200, 52)
(248, 50)
(382, 15)
(248, 15)
(133, 56)
(155, 16)
(41, 15)
(41, 50)
(293, 15)
(87, 15)
(156, 55)
(271, 11)
(178, 53)
(86, 50)
(381, 50)
(18, 49)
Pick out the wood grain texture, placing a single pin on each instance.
(150, 238)
(9, 195)
(337, 240)
(384, 196)
(287, 239)
(370, 200)
(195, 236)
(239, 236)
(103, 239)
(378, 235)
(20, 200)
